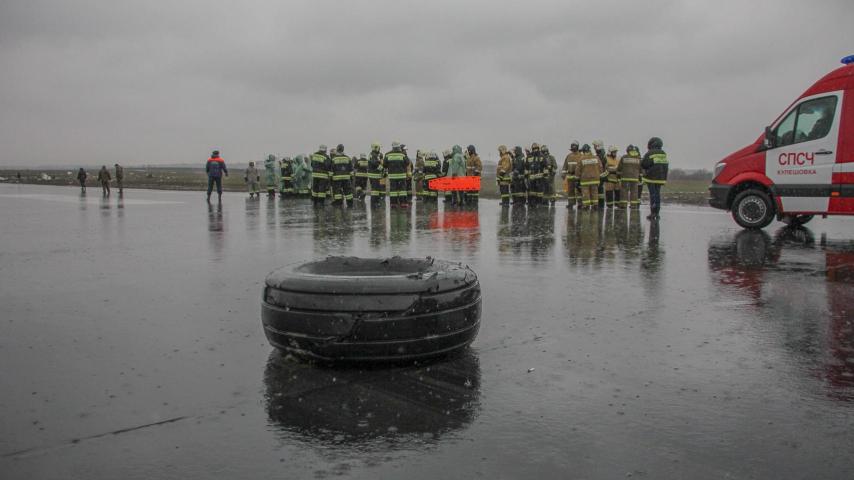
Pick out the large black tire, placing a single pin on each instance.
(753, 208)
(356, 309)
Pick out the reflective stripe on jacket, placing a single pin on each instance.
(655, 165)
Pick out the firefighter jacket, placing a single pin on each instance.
(342, 167)
(396, 164)
(362, 168)
(569, 164)
(588, 169)
(534, 166)
(611, 166)
(286, 169)
(375, 165)
(628, 169)
(432, 169)
(505, 166)
(321, 165)
(655, 166)
(473, 165)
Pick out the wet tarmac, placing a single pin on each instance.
(131, 345)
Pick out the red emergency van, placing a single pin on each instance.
(802, 166)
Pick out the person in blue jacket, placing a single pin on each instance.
(215, 168)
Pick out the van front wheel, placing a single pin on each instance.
(753, 208)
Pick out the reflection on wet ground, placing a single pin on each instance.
(371, 409)
(803, 288)
(609, 346)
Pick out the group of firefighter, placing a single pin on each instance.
(592, 177)
(332, 174)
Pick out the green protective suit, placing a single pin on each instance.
(457, 165)
(457, 168)
(271, 177)
(302, 175)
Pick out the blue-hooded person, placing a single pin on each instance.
(215, 168)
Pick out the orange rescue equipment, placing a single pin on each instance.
(463, 184)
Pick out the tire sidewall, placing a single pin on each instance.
(751, 195)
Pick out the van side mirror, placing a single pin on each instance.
(769, 138)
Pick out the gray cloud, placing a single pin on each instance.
(90, 82)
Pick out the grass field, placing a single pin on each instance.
(161, 178)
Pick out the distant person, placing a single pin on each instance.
(104, 178)
(361, 176)
(286, 176)
(375, 174)
(570, 176)
(589, 170)
(120, 176)
(342, 177)
(215, 168)
(457, 168)
(446, 162)
(518, 187)
(629, 172)
(612, 179)
(321, 168)
(655, 165)
(302, 176)
(18, 176)
(502, 174)
(396, 164)
(550, 166)
(252, 179)
(270, 179)
(81, 177)
(474, 167)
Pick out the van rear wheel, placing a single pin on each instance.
(753, 208)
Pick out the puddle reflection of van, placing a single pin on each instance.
(802, 166)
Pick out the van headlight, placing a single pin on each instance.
(719, 168)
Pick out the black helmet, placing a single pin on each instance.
(517, 151)
(654, 143)
(470, 149)
(585, 148)
(215, 153)
(340, 148)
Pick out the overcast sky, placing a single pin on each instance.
(147, 82)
